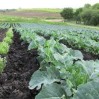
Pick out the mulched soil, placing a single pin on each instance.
(21, 64)
(2, 34)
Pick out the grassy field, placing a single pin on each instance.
(50, 16)
(14, 19)
(81, 25)
(35, 13)
(9, 18)
(50, 10)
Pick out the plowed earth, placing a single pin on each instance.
(2, 34)
(21, 64)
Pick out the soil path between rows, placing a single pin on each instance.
(21, 64)
(2, 34)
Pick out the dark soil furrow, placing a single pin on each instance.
(2, 34)
(21, 64)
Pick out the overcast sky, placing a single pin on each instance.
(9, 4)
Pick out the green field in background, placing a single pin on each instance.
(42, 10)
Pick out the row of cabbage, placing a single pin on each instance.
(63, 74)
(4, 48)
(5, 25)
(80, 38)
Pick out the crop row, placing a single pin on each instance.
(7, 25)
(4, 48)
(79, 38)
(63, 74)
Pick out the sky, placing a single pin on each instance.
(10, 4)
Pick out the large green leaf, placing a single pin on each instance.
(44, 77)
(52, 91)
(61, 48)
(92, 68)
(40, 40)
(76, 54)
(59, 57)
(89, 90)
(32, 45)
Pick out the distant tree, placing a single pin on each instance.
(78, 19)
(77, 16)
(86, 16)
(90, 17)
(67, 13)
(95, 6)
(94, 18)
(87, 6)
(78, 11)
(89, 14)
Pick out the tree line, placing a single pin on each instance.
(88, 15)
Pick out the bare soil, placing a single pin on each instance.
(21, 64)
(2, 34)
(55, 20)
(31, 14)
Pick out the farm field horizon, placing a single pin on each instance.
(37, 15)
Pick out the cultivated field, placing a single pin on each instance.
(46, 14)
(42, 57)
(42, 61)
